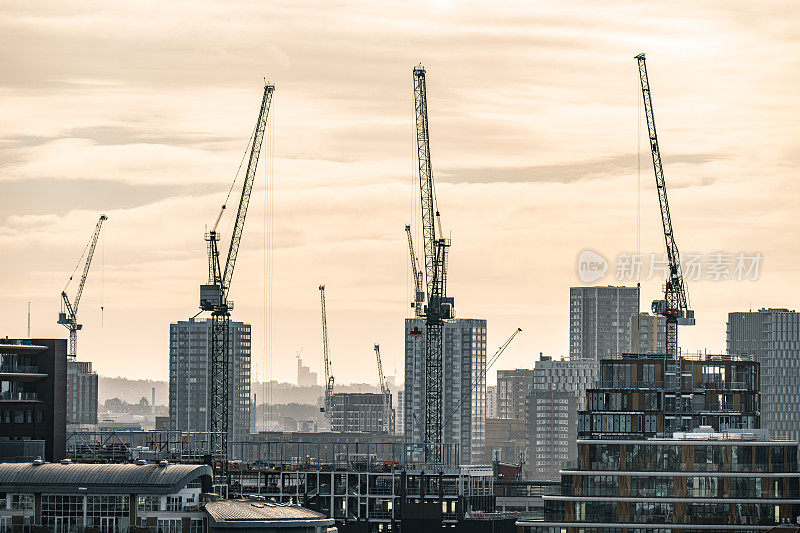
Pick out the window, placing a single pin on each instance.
(61, 511)
(22, 502)
(149, 503)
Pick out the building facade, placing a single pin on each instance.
(695, 481)
(599, 321)
(772, 337)
(565, 376)
(81, 393)
(641, 396)
(648, 333)
(33, 390)
(551, 433)
(399, 412)
(464, 385)
(491, 401)
(189, 380)
(513, 386)
(361, 412)
(505, 440)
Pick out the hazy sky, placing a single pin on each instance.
(141, 110)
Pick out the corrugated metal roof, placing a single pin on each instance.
(101, 478)
(251, 510)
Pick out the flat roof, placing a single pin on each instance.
(239, 512)
(80, 478)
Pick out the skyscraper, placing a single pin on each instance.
(772, 337)
(464, 385)
(513, 386)
(189, 380)
(599, 321)
(648, 333)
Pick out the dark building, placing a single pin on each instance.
(81, 393)
(674, 445)
(33, 392)
(640, 396)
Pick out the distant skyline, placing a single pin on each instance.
(142, 111)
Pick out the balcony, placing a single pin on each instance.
(19, 369)
(18, 396)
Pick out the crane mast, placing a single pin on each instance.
(435, 248)
(385, 393)
(326, 359)
(419, 290)
(68, 317)
(214, 295)
(675, 305)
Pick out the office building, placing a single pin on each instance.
(648, 333)
(33, 393)
(361, 412)
(81, 393)
(645, 395)
(513, 386)
(551, 433)
(491, 401)
(305, 377)
(190, 383)
(505, 440)
(772, 337)
(464, 385)
(565, 376)
(599, 321)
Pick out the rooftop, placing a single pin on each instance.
(246, 510)
(71, 478)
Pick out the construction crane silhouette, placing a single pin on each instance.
(419, 291)
(326, 361)
(68, 317)
(675, 305)
(385, 393)
(214, 295)
(435, 248)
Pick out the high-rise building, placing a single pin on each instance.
(599, 321)
(772, 337)
(564, 376)
(491, 401)
(551, 433)
(190, 383)
(464, 385)
(361, 412)
(513, 386)
(648, 333)
(33, 391)
(81, 393)
(305, 377)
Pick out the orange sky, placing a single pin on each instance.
(142, 111)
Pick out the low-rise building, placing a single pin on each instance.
(105, 497)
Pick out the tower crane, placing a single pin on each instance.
(68, 317)
(419, 291)
(385, 393)
(326, 360)
(214, 295)
(435, 248)
(675, 305)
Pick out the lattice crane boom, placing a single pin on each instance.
(326, 359)
(68, 316)
(385, 392)
(675, 305)
(416, 273)
(214, 295)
